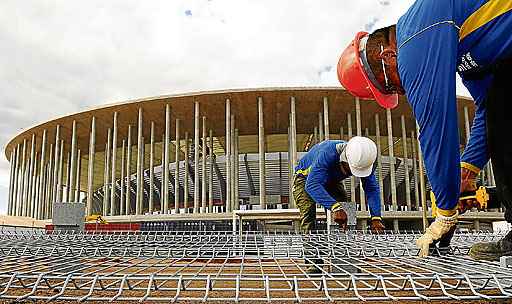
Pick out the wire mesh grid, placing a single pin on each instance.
(222, 267)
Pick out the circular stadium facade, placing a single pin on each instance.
(224, 150)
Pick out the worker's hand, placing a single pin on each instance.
(339, 216)
(377, 226)
(467, 185)
(437, 230)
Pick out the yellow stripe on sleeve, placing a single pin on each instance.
(483, 15)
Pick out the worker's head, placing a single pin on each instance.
(368, 67)
(358, 156)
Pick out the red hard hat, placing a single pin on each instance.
(356, 76)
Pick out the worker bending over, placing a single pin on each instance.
(419, 57)
(319, 175)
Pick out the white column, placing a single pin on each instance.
(70, 185)
(138, 198)
(406, 166)
(185, 177)
(151, 166)
(165, 167)
(56, 166)
(40, 201)
(128, 203)
(326, 119)
(177, 170)
(106, 171)
(261, 151)
(210, 183)
(122, 179)
(78, 175)
(196, 158)
(113, 207)
(203, 169)
(227, 146)
(379, 160)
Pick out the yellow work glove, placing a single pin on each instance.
(435, 231)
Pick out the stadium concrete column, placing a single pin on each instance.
(39, 202)
(185, 175)
(177, 170)
(362, 197)
(392, 166)
(30, 180)
(49, 185)
(90, 165)
(320, 127)
(232, 161)
(237, 172)
(11, 183)
(127, 208)
(106, 172)
(293, 140)
(60, 178)
(162, 157)
(151, 166)
(227, 148)
(203, 168)
(122, 179)
(415, 171)
(210, 178)
(406, 166)
(55, 184)
(315, 135)
(23, 178)
(78, 175)
(341, 133)
(379, 160)
(326, 118)
(422, 181)
(261, 151)
(291, 201)
(196, 157)
(113, 208)
(139, 189)
(17, 168)
(165, 167)
(352, 178)
(72, 166)
(69, 180)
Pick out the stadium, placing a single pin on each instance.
(225, 150)
(178, 234)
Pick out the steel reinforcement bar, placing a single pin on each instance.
(223, 267)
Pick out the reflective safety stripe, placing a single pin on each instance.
(483, 15)
(303, 172)
(470, 167)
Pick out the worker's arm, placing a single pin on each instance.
(427, 66)
(317, 179)
(475, 154)
(371, 189)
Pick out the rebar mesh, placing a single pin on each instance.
(266, 267)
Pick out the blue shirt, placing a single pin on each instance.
(435, 40)
(321, 167)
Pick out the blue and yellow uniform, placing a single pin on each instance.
(320, 168)
(435, 40)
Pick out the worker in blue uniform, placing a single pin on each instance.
(419, 57)
(319, 175)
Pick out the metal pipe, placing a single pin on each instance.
(128, 171)
(210, 183)
(70, 186)
(151, 167)
(203, 169)
(113, 208)
(138, 198)
(227, 145)
(90, 165)
(196, 158)
(165, 167)
(261, 151)
(177, 170)
(379, 160)
(406, 166)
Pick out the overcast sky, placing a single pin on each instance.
(59, 57)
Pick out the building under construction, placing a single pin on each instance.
(224, 150)
(176, 176)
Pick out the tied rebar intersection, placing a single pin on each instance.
(265, 267)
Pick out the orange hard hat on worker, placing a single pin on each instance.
(357, 77)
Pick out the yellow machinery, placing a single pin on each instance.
(95, 218)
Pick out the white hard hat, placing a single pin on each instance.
(360, 155)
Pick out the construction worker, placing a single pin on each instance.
(419, 57)
(319, 175)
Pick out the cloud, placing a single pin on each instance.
(59, 57)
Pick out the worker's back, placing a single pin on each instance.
(323, 153)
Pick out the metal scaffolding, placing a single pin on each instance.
(200, 266)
